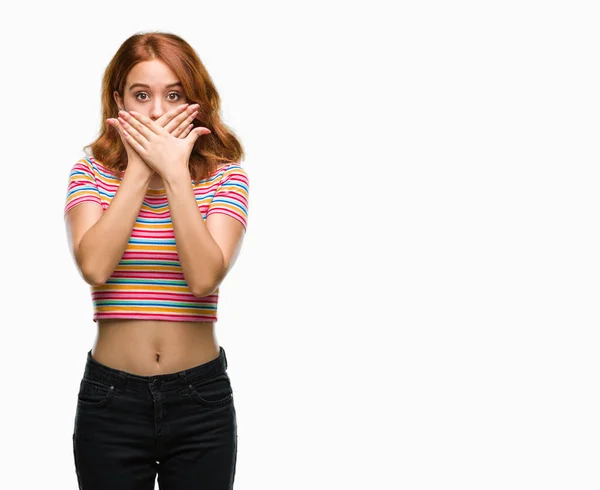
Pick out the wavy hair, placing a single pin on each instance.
(209, 151)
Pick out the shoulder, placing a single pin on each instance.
(90, 166)
(102, 170)
(86, 164)
(232, 171)
(82, 165)
(222, 174)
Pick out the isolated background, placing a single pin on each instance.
(416, 302)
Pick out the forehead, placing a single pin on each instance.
(154, 73)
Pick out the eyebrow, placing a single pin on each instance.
(176, 84)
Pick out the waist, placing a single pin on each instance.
(152, 347)
(126, 381)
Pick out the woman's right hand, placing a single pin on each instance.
(178, 121)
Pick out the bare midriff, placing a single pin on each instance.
(150, 347)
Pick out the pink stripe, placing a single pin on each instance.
(148, 274)
(76, 201)
(155, 255)
(88, 172)
(151, 295)
(228, 212)
(152, 234)
(159, 316)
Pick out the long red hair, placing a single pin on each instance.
(211, 150)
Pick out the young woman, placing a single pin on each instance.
(155, 219)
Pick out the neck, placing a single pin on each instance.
(156, 183)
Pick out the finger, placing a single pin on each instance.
(132, 142)
(135, 127)
(167, 116)
(142, 139)
(186, 131)
(196, 133)
(182, 120)
(184, 124)
(202, 131)
(117, 127)
(146, 125)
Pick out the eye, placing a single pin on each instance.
(177, 94)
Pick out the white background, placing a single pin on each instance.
(416, 303)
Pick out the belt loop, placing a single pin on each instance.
(183, 377)
(122, 381)
(224, 357)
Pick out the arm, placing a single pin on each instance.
(98, 239)
(206, 250)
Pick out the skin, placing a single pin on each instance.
(158, 139)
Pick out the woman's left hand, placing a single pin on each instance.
(166, 154)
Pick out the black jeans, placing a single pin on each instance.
(181, 426)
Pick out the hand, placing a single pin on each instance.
(163, 152)
(177, 121)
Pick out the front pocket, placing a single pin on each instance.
(93, 393)
(213, 392)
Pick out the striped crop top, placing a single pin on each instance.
(148, 282)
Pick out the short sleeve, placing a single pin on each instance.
(231, 196)
(82, 186)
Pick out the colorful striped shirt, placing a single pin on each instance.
(148, 282)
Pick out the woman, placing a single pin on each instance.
(155, 220)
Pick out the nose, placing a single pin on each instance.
(157, 110)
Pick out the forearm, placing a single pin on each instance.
(200, 257)
(104, 244)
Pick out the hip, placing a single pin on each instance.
(154, 417)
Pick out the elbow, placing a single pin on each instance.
(92, 276)
(94, 283)
(206, 288)
(203, 290)
(89, 268)
(93, 280)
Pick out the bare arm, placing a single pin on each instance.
(97, 238)
(199, 254)
(206, 250)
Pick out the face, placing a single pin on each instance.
(151, 89)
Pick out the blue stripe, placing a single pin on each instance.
(234, 203)
(202, 306)
(80, 188)
(162, 241)
(144, 220)
(157, 282)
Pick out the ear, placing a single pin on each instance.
(118, 99)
